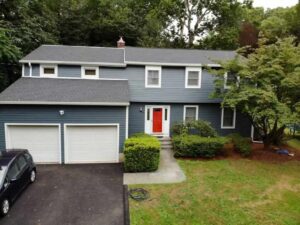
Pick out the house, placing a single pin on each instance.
(76, 104)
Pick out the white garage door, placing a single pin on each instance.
(91, 143)
(42, 141)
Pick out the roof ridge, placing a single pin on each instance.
(82, 46)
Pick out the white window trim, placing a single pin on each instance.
(48, 75)
(191, 106)
(225, 82)
(89, 76)
(222, 120)
(158, 68)
(193, 69)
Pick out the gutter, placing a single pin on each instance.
(64, 103)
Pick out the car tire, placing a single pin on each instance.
(5, 207)
(32, 176)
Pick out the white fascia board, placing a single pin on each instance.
(161, 63)
(64, 103)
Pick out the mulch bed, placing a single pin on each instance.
(258, 154)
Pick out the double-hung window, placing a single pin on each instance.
(89, 72)
(230, 79)
(48, 70)
(153, 77)
(190, 113)
(193, 77)
(228, 118)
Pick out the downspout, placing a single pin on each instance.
(30, 69)
(127, 122)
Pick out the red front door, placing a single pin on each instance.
(157, 120)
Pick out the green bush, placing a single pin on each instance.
(141, 135)
(199, 127)
(241, 144)
(141, 153)
(196, 146)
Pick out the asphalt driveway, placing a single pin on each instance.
(71, 194)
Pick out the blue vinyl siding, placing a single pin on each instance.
(69, 71)
(172, 83)
(208, 112)
(35, 70)
(73, 114)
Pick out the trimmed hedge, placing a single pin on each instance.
(196, 146)
(241, 144)
(198, 127)
(141, 153)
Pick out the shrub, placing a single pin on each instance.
(141, 135)
(241, 144)
(196, 146)
(199, 127)
(141, 153)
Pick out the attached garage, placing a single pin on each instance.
(91, 143)
(42, 140)
(65, 120)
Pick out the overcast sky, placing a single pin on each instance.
(274, 3)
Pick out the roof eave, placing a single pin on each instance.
(64, 103)
(72, 63)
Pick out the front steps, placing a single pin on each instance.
(166, 143)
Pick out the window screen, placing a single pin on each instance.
(153, 77)
(193, 78)
(190, 113)
(230, 79)
(228, 117)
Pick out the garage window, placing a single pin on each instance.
(48, 70)
(89, 72)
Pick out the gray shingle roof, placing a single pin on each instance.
(66, 91)
(63, 53)
(133, 55)
(176, 56)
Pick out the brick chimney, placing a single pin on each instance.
(121, 43)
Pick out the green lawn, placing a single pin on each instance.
(294, 143)
(230, 192)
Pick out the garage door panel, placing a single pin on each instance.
(41, 141)
(86, 144)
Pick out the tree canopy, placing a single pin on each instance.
(265, 88)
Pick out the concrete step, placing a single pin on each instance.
(167, 146)
(164, 138)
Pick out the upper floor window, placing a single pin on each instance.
(230, 79)
(153, 77)
(228, 118)
(48, 70)
(190, 113)
(193, 77)
(89, 72)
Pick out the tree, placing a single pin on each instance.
(9, 55)
(267, 87)
(198, 19)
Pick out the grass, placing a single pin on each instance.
(294, 143)
(230, 192)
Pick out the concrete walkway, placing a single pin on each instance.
(168, 172)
